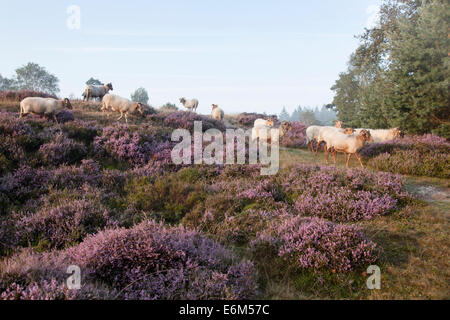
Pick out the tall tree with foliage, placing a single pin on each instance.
(140, 95)
(7, 84)
(397, 76)
(419, 71)
(34, 77)
(284, 115)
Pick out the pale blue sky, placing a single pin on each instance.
(248, 55)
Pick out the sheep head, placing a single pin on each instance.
(183, 101)
(215, 106)
(109, 86)
(397, 132)
(339, 124)
(286, 126)
(67, 104)
(366, 136)
(270, 123)
(138, 106)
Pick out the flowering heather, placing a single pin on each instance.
(65, 116)
(341, 195)
(82, 131)
(136, 147)
(185, 120)
(11, 95)
(248, 119)
(296, 137)
(314, 243)
(148, 261)
(42, 290)
(427, 155)
(62, 150)
(64, 225)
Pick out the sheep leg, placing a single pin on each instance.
(326, 152)
(359, 159)
(126, 117)
(121, 116)
(54, 118)
(348, 159)
(334, 156)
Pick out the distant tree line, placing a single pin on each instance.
(31, 77)
(310, 116)
(398, 76)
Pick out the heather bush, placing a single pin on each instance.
(185, 120)
(137, 146)
(340, 195)
(62, 150)
(151, 261)
(314, 243)
(296, 137)
(248, 119)
(11, 95)
(64, 225)
(148, 261)
(427, 155)
(65, 116)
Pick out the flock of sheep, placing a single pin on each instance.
(335, 139)
(348, 141)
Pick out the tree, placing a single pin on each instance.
(398, 75)
(140, 95)
(284, 115)
(7, 84)
(34, 77)
(308, 118)
(419, 100)
(94, 82)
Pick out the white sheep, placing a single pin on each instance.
(261, 124)
(121, 105)
(257, 132)
(348, 144)
(97, 91)
(217, 113)
(43, 106)
(191, 105)
(322, 132)
(312, 134)
(382, 135)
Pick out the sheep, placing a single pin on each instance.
(382, 135)
(348, 144)
(97, 91)
(191, 105)
(43, 106)
(282, 130)
(312, 133)
(261, 124)
(338, 124)
(217, 113)
(122, 105)
(317, 133)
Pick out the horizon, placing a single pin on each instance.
(226, 54)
